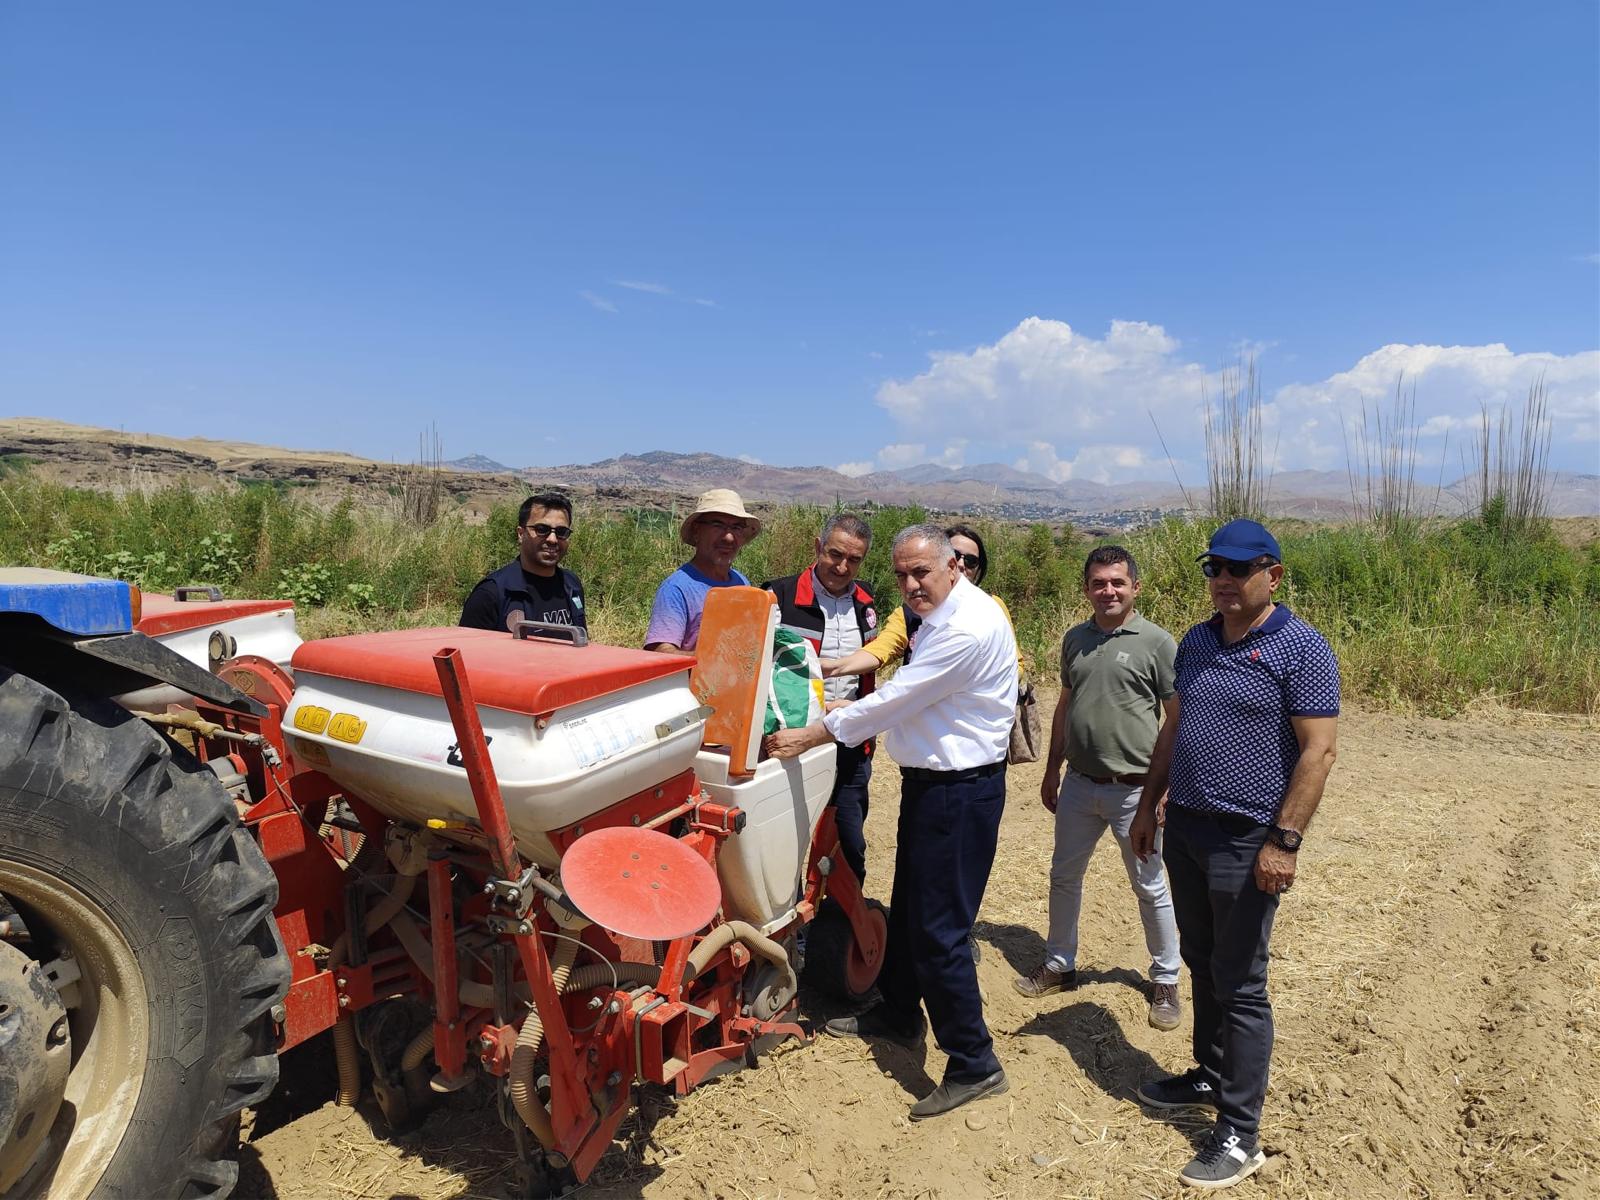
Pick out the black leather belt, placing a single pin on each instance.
(928, 775)
(1126, 780)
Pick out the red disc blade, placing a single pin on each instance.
(640, 883)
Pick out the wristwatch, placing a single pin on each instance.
(1287, 840)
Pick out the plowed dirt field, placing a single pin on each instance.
(1436, 979)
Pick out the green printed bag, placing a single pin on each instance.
(794, 699)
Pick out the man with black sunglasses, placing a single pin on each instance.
(1243, 759)
(534, 586)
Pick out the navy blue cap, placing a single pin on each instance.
(1243, 541)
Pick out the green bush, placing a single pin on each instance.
(1430, 618)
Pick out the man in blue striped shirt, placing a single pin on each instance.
(1244, 760)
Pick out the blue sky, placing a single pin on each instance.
(850, 235)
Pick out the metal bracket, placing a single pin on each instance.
(718, 818)
(683, 720)
(503, 924)
(514, 895)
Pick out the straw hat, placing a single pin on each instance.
(723, 502)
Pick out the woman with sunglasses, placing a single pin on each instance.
(897, 639)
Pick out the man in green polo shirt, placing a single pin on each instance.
(1116, 680)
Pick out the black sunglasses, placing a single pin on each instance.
(1213, 568)
(968, 560)
(541, 530)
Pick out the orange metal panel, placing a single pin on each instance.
(531, 677)
(163, 614)
(730, 672)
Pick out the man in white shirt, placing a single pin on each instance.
(950, 710)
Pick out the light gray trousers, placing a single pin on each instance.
(1086, 810)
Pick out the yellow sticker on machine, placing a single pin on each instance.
(311, 718)
(346, 727)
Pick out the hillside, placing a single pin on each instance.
(103, 457)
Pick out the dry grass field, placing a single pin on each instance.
(1436, 977)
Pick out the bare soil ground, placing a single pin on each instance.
(1436, 977)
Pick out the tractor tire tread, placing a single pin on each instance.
(89, 761)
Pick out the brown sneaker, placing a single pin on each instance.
(1046, 981)
(1165, 1011)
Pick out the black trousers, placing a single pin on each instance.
(1224, 922)
(949, 826)
(849, 800)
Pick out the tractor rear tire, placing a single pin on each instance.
(833, 960)
(128, 864)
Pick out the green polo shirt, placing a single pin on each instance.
(1118, 682)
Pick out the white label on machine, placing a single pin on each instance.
(600, 736)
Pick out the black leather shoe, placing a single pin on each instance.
(874, 1023)
(953, 1095)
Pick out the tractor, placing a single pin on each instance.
(525, 862)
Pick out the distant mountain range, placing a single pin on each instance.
(86, 456)
(990, 488)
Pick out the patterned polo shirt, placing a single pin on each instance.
(1235, 748)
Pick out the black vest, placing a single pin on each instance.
(514, 593)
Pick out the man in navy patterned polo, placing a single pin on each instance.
(1244, 760)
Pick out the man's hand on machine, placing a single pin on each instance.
(791, 743)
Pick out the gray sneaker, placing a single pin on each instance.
(1165, 1010)
(1223, 1160)
(1045, 981)
(1189, 1090)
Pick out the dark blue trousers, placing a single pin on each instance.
(948, 830)
(1224, 921)
(849, 800)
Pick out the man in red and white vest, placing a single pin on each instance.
(827, 605)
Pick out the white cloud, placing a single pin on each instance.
(1438, 426)
(1592, 259)
(902, 454)
(751, 459)
(661, 289)
(1044, 381)
(1072, 406)
(1100, 463)
(908, 454)
(1454, 383)
(599, 302)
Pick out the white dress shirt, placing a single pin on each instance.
(841, 636)
(951, 707)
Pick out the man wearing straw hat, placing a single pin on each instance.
(1246, 755)
(717, 529)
